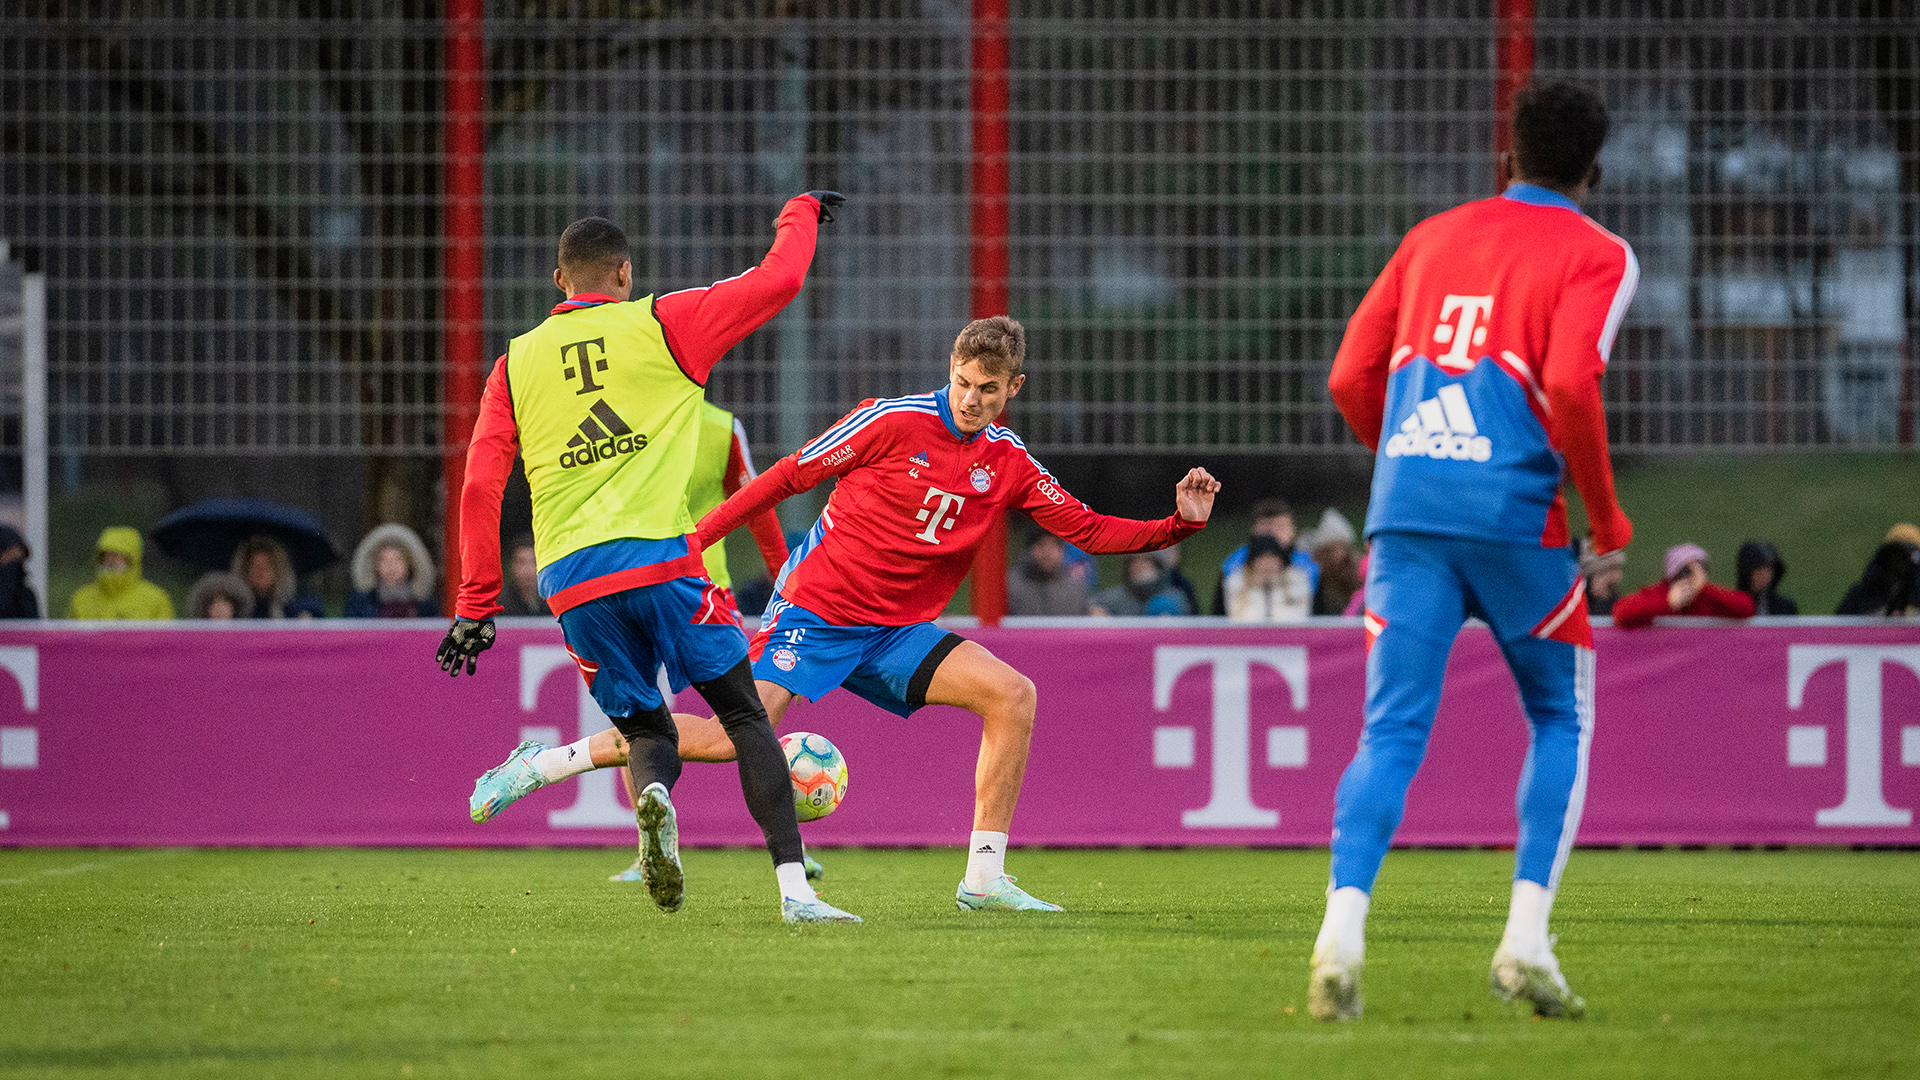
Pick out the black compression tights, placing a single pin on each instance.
(653, 747)
(764, 778)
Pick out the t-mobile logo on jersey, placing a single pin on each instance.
(939, 516)
(1468, 332)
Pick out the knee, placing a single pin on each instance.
(1015, 699)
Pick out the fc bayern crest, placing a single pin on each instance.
(982, 479)
(784, 659)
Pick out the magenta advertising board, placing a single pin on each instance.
(1189, 734)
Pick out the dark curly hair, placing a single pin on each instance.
(1558, 129)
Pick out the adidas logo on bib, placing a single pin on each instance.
(609, 437)
(1441, 428)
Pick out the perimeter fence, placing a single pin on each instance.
(239, 205)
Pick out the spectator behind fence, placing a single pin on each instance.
(1684, 591)
(1145, 591)
(117, 590)
(1757, 572)
(16, 596)
(1890, 585)
(1331, 546)
(394, 575)
(1270, 589)
(1603, 575)
(521, 596)
(1169, 559)
(261, 561)
(220, 595)
(1043, 584)
(1272, 518)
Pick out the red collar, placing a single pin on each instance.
(582, 300)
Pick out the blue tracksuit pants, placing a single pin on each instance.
(1420, 589)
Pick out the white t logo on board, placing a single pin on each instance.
(20, 746)
(1230, 804)
(940, 516)
(1470, 331)
(1865, 801)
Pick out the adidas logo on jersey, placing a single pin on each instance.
(1441, 428)
(603, 435)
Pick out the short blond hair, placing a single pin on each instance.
(998, 343)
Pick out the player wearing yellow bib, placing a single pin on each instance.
(603, 402)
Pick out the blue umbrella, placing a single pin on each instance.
(207, 533)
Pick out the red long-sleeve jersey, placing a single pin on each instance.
(764, 526)
(700, 325)
(915, 498)
(1473, 368)
(1641, 607)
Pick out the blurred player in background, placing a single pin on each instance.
(603, 401)
(920, 480)
(1473, 367)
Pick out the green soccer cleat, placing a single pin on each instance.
(814, 910)
(504, 784)
(1000, 893)
(814, 870)
(660, 848)
(1538, 984)
(1333, 991)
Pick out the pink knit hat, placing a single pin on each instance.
(1679, 555)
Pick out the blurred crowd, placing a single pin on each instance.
(1280, 573)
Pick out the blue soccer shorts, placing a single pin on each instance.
(620, 641)
(891, 666)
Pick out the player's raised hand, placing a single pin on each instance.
(1194, 494)
(465, 640)
(828, 200)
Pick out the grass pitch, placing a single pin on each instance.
(1167, 963)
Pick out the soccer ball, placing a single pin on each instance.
(819, 774)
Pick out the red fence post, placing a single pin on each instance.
(988, 212)
(1513, 66)
(464, 180)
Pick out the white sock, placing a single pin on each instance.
(557, 763)
(1343, 934)
(793, 881)
(1526, 933)
(986, 858)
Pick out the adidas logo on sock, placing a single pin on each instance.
(603, 435)
(1441, 428)
(983, 849)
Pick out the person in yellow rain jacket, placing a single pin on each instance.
(117, 590)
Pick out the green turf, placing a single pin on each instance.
(1167, 964)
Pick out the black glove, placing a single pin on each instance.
(828, 200)
(466, 639)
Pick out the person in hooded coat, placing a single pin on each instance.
(16, 596)
(1758, 570)
(117, 590)
(262, 562)
(1890, 585)
(394, 575)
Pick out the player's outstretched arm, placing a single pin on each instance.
(702, 324)
(1358, 381)
(1054, 510)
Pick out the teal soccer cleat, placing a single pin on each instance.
(814, 870)
(814, 910)
(504, 784)
(660, 848)
(1000, 893)
(631, 873)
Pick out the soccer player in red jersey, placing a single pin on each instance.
(921, 479)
